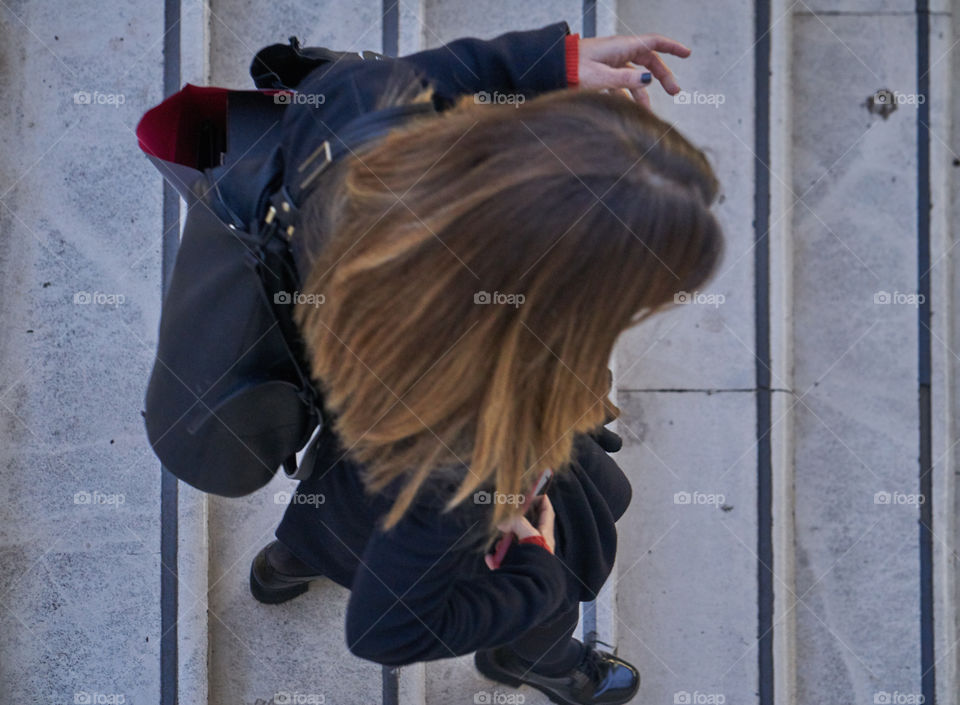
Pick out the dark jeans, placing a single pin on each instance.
(550, 647)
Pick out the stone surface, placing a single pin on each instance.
(193, 545)
(79, 212)
(193, 575)
(856, 425)
(687, 583)
(945, 340)
(824, 8)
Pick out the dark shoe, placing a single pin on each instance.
(599, 678)
(276, 575)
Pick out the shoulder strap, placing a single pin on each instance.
(285, 202)
(283, 212)
(282, 219)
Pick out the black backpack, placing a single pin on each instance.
(230, 398)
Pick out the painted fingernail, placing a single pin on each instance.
(646, 77)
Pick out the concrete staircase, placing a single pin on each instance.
(776, 550)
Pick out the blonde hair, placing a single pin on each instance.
(586, 205)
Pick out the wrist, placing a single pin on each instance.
(537, 540)
(572, 59)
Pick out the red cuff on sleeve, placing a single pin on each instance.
(572, 53)
(537, 540)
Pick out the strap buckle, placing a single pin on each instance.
(284, 212)
(323, 149)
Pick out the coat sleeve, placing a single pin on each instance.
(529, 62)
(416, 598)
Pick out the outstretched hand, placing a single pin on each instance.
(612, 63)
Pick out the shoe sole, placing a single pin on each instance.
(488, 668)
(274, 596)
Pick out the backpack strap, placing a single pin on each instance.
(284, 208)
(276, 234)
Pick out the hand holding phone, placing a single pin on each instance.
(520, 526)
(544, 518)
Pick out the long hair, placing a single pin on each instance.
(477, 268)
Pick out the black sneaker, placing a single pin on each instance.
(276, 575)
(600, 677)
